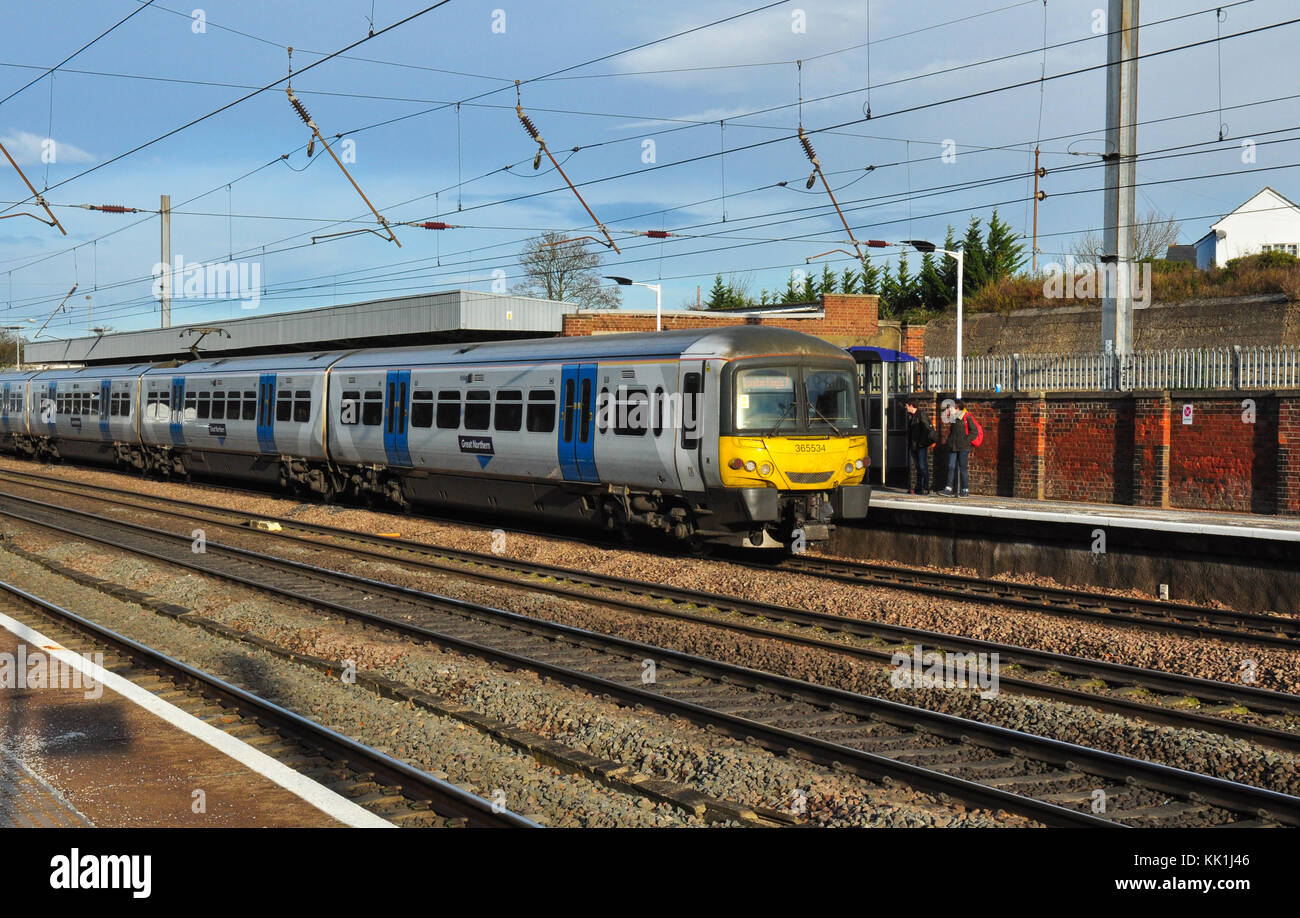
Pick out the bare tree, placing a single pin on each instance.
(564, 270)
(1153, 234)
(8, 349)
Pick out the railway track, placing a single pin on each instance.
(1054, 782)
(1247, 712)
(1200, 621)
(387, 787)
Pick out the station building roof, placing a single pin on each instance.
(445, 317)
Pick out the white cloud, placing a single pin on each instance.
(26, 148)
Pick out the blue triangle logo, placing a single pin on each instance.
(483, 461)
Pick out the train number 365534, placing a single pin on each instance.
(810, 447)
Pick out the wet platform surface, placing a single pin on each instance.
(79, 756)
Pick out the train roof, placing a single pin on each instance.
(97, 372)
(312, 360)
(725, 342)
(17, 376)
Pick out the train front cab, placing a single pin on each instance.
(793, 444)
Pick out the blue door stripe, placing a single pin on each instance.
(266, 413)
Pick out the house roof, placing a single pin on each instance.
(1267, 188)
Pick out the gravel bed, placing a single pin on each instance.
(1218, 660)
(655, 745)
(1199, 750)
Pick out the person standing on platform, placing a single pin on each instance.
(958, 442)
(920, 437)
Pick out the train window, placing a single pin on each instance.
(659, 410)
(94, 405)
(692, 388)
(250, 405)
(205, 406)
(85, 403)
(284, 406)
(422, 408)
(232, 405)
(350, 407)
(478, 409)
(158, 406)
(632, 413)
(191, 406)
(392, 407)
(448, 409)
(510, 409)
(302, 406)
(603, 408)
(831, 400)
(114, 404)
(218, 406)
(127, 399)
(541, 411)
(584, 430)
(372, 409)
(568, 411)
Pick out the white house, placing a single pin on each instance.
(1266, 222)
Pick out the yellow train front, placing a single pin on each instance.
(792, 443)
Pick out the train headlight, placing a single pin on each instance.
(858, 464)
(736, 464)
(765, 469)
(848, 468)
(750, 465)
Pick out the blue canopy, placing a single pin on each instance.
(884, 354)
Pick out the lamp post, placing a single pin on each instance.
(923, 246)
(659, 300)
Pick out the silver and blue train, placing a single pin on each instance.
(743, 435)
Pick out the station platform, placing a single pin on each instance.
(1238, 560)
(107, 753)
(1198, 522)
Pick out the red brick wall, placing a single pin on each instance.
(1134, 449)
(1219, 462)
(844, 316)
(914, 340)
(1088, 450)
(1288, 455)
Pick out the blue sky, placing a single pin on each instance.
(156, 72)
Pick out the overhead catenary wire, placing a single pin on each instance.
(1074, 41)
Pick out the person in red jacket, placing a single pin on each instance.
(958, 441)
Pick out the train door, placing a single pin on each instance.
(577, 428)
(105, 391)
(177, 411)
(689, 422)
(266, 412)
(49, 408)
(396, 410)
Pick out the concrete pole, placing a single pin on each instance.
(165, 214)
(1121, 175)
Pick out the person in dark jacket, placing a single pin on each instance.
(920, 437)
(958, 443)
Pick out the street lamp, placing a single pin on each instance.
(923, 246)
(659, 299)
